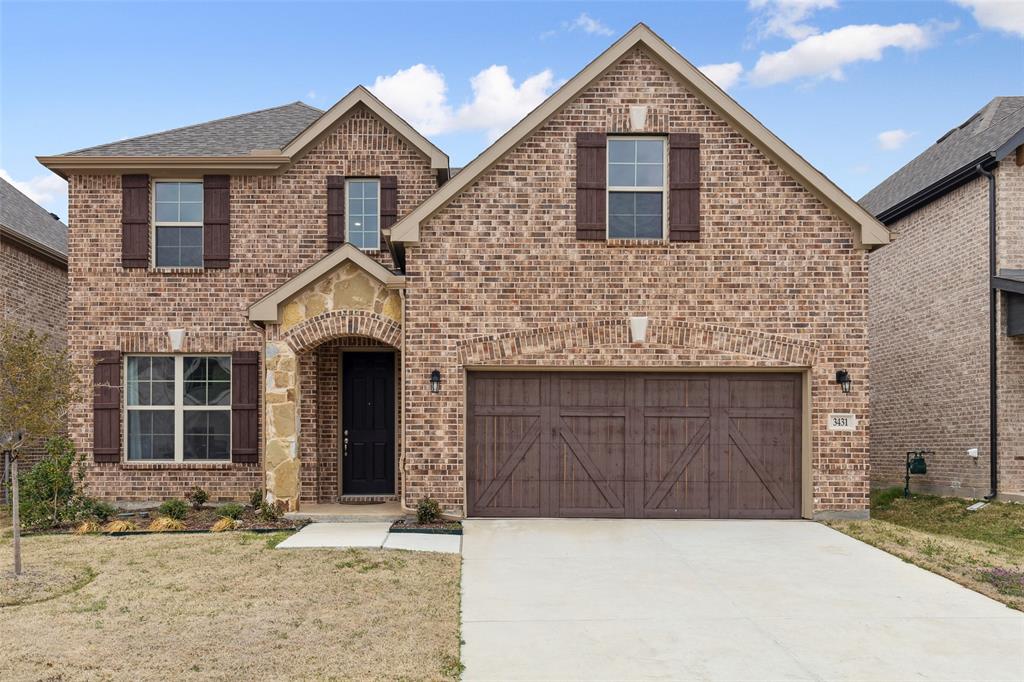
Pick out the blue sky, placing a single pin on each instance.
(858, 88)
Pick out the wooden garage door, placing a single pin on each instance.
(637, 445)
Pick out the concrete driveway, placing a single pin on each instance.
(567, 599)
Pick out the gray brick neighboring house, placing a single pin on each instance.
(33, 270)
(930, 322)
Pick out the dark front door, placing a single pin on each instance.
(648, 445)
(368, 424)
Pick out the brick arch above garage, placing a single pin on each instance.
(682, 339)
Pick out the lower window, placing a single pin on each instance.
(178, 408)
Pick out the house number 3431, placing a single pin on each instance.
(842, 421)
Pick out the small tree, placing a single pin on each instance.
(36, 388)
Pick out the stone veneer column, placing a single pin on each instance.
(281, 424)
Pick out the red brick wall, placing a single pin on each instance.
(278, 228)
(502, 258)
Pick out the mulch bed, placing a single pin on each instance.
(437, 527)
(195, 522)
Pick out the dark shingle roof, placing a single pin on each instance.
(980, 135)
(21, 215)
(232, 136)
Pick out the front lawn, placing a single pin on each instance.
(224, 606)
(982, 550)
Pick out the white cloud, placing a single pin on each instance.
(724, 75)
(588, 24)
(890, 140)
(1002, 15)
(784, 17)
(825, 55)
(49, 191)
(420, 95)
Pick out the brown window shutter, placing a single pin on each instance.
(591, 186)
(106, 406)
(684, 187)
(245, 407)
(335, 211)
(135, 221)
(216, 221)
(388, 201)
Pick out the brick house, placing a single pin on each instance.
(33, 273)
(946, 325)
(634, 303)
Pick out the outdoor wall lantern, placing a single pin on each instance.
(435, 381)
(844, 380)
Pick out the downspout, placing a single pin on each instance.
(993, 338)
(401, 371)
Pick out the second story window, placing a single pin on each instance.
(636, 188)
(178, 224)
(363, 213)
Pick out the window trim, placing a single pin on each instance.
(348, 213)
(153, 223)
(179, 408)
(609, 188)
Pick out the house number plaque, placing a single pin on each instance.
(842, 421)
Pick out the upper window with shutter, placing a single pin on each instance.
(363, 214)
(178, 223)
(636, 187)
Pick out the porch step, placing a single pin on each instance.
(344, 513)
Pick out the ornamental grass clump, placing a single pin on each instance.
(86, 527)
(222, 524)
(119, 526)
(162, 524)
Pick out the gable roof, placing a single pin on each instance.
(25, 221)
(265, 140)
(986, 137)
(265, 309)
(870, 231)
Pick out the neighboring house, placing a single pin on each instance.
(634, 303)
(940, 300)
(33, 272)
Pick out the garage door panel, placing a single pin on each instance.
(634, 445)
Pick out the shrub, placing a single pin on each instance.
(231, 510)
(164, 523)
(256, 498)
(428, 510)
(197, 497)
(49, 492)
(268, 512)
(223, 523)
(97, 510)
(119, 526)
(176, 509)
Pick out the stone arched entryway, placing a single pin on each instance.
(348, 304)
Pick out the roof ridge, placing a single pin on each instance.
(193, 125)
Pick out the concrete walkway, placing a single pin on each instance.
(369, 535)
(717, 600)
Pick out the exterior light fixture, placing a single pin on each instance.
(176, 336)
(435, 381)
(844, 380)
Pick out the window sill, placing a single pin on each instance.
(178, 466)
(634, 243)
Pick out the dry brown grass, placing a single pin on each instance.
(962, 560)
(228, 606)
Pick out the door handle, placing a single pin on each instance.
(344, 444)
